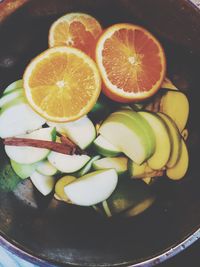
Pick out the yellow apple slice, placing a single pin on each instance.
(175, 140)
(163, 143)
(180, 169)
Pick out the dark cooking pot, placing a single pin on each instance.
(48, 232)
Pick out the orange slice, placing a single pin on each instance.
(76, 30)
(62, 84)
(131, 62)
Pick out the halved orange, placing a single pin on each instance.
(131, 62)
(62, 84)
(77, 30)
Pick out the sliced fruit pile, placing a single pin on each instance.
(87, 148)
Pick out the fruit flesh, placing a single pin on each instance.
(29, 155)
(175, 138)
(43, 183)
(17, 118)
(105, 148)
(67, 163)
(163, 142)
(175, 104)
(126, 55)
(127, 133)
(118, 163)
(62, 96)
(92, 188)
(179, 170)
(73, 129)
(59, 187)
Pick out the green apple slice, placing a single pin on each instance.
(178, 171)
(5, 99)
(23, 170)
(29, 155)
(126, 130)
(13, 86)
(117, 163)
(105, 148)
(87, 167)
(175, 140)
(43, 183)
(46, 168)
(18, 118)
(67, 163)
(92, 188)
(130, 198)
(82, 132)
(146, 128)
(163, 142)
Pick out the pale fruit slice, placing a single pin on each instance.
(175, 104)
(43, 183)
(18, 118)
(23, 170)
(46, 168)
(142, 171)
(175, 138)
(87, 167)
(5, 99)
(146, 128)
(117, 163)
(62, 84)
(60, 185)
(67, 163)
(179, 170)
(13, 86)
(82, 132)
(92, 188)
(29, 155)
(128, 133)
(105, 148)
(163, 142)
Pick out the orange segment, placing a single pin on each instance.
(131, 62)
(76, 30)
(62, 84)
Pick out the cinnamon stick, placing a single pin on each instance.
(54, 146)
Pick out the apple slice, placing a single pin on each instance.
(142, 171)
(146, 128)
(82, 132)
(87, 167)
(163, 142)
(5, 99)
(67, 163)
(175, 104)
(60, 185)
(175, 138)
(15, 85)
(117, 163)
(18, 118)
(179, 170)
(92, 188)
(43, 183)
(29, 155)
(23, 170)
(46, 168)
(105, 148)
(127, 130)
